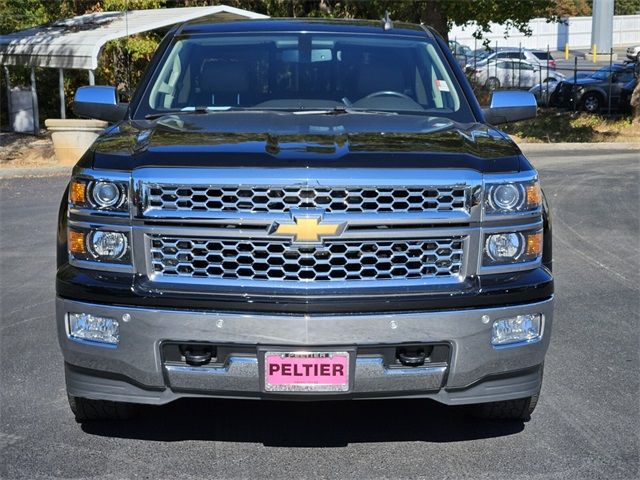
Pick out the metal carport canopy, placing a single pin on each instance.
(76, 42)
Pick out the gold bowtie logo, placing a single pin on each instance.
(307, 229)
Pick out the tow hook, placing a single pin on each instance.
(197, 357)
(412, 358)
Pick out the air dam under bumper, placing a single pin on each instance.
(134, 371)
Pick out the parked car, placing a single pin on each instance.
(303, 210)
(544, 91)
(591, 93)
(462, 53)
(633, 53)
(539, 57)
(495, 74)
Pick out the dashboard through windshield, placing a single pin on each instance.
(304, 71)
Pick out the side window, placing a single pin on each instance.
(625, 76)
(526, 66)
(504, 65)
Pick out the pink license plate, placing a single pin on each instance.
(306, 371)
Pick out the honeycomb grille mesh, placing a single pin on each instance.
(222, 259)
(282, 199)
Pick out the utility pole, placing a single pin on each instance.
(602, 28)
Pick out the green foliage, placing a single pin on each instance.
(626, 7)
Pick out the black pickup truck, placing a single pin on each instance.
(303, 210)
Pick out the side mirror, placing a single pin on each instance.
(510, 106)
(614, 77)
(100, 103)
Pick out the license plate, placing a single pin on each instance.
(306, 371)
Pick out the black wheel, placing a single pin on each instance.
(591, 103)
(519, 409)
(86, 410)
(492, 83)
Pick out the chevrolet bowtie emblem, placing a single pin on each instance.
(307, 229)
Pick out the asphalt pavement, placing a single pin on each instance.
(586, 424)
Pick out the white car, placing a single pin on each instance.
(633, 53)
(481, 57)
(513, 74)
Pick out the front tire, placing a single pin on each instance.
(591, 103)
(492, 84)
(87, 410)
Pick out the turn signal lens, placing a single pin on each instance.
(78, 192)
(76, 242)
(534, 244)
(534, 195)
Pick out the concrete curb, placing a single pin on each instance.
(11, 172)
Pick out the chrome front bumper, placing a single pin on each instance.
(135, 372)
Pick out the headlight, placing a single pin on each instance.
(513, 197)
(512, 247)
(107, 245)
(103, 195)
(99, 245)
(106, 194)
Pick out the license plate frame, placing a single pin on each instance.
(337, 356)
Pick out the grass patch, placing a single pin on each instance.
(559, 126)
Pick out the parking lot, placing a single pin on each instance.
(586, 424)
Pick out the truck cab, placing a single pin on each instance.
(303, 210)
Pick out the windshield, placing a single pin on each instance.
(602, 74)
(286, 71)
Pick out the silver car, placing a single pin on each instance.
(541, 57)
(513, 73)
(633, 53)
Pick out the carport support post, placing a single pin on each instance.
(9, 107)
(63, 111)
(34, 102)
(92, 78)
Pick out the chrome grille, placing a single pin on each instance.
(231, 259)
(278, 199)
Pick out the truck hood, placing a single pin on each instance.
(304, 139)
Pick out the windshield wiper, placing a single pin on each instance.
(192, 110)
(339, 110)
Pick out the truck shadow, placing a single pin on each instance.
(304, 424)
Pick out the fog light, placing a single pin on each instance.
(93, 328)
(519, 329)
(108, 245)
